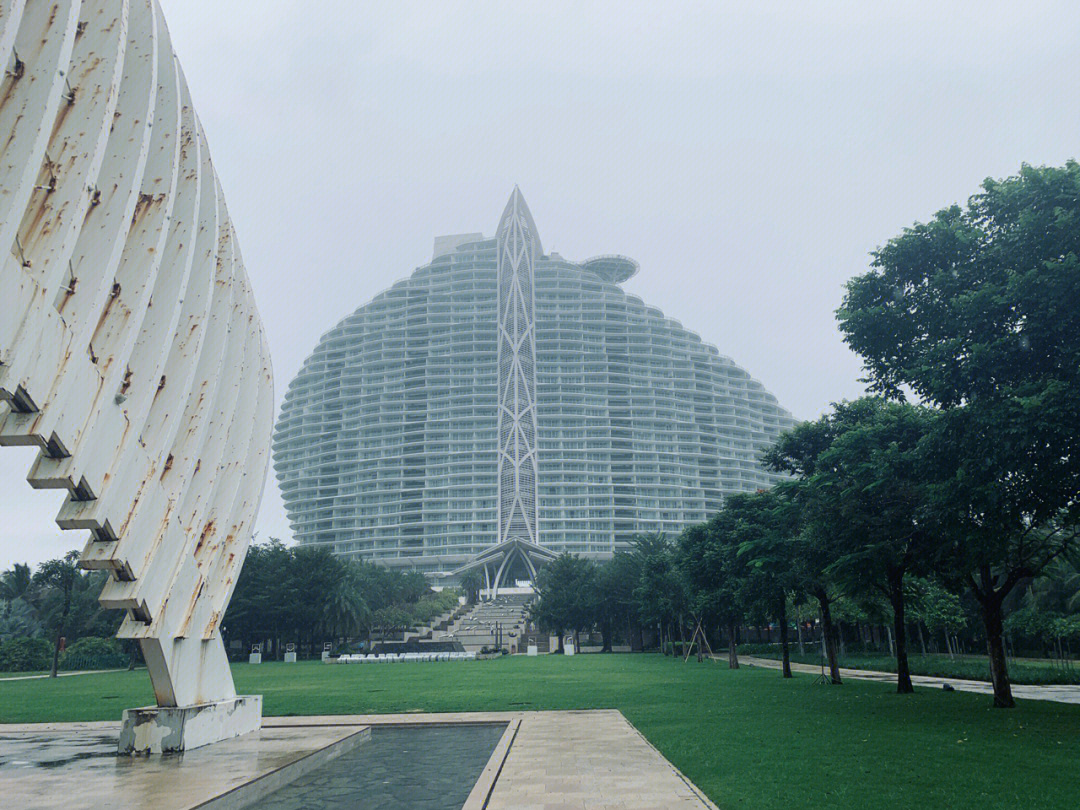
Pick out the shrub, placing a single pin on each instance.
(94, 653)
(763, 649)
(25, 655)
(93, 645)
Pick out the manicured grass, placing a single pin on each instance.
(748, 738)
(974, 668)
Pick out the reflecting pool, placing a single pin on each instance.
(405, 768)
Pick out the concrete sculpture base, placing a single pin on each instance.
(165, 729)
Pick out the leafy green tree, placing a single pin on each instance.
(617, 580)
(939, 609)
(797, 452)
(56, 581)
(661, 591)
(869, 491)
(261, 603)
(716, 575)
(975, 312)
(606, 601)
(567, 591)
(766, 527)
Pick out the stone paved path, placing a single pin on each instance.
(1062, 693)
(562, 760)
(61, 674)
(591, 760)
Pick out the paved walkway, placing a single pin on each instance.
(62, 674)
(74, 766)
(574, 760)
(589, 760)
(1062, 693)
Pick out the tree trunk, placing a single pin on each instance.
(896, 597)
(999, 671)
(562, 648)
(56, 653)
(785, 647)
(830, 632)
(605, 633)
(802, 643)
(732, 648)
(60, 635)
(922, 638)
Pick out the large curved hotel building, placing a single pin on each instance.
(501, 405)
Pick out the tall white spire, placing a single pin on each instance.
(518, 246)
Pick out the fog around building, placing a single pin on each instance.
(749, 158)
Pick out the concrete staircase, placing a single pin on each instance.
(478, 627)
(438, 625)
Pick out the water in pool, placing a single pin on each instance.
(419, 768)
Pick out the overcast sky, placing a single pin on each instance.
(749, 156)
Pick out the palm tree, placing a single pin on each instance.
(471, 583)
(345, 610)
(15, 581)
(57, 580)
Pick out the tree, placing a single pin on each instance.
(939, 609)
(975, 312)
(796, 452)
(471, 583)
(766, 526)
(661, 590)
(869, 491)
(346, 611)
(15, 581)
(56, 580)
(606, 603)
(716, 575)
(617, 582)
(567, 587)
(261, 603)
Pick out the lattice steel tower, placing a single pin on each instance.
(517, 246)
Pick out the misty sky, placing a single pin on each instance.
(749, 156)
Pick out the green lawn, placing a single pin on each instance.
(748, 738)
(973, 667)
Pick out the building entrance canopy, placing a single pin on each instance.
(499, 561)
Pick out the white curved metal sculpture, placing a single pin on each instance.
(131, 352)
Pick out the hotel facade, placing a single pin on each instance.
(502, 405)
